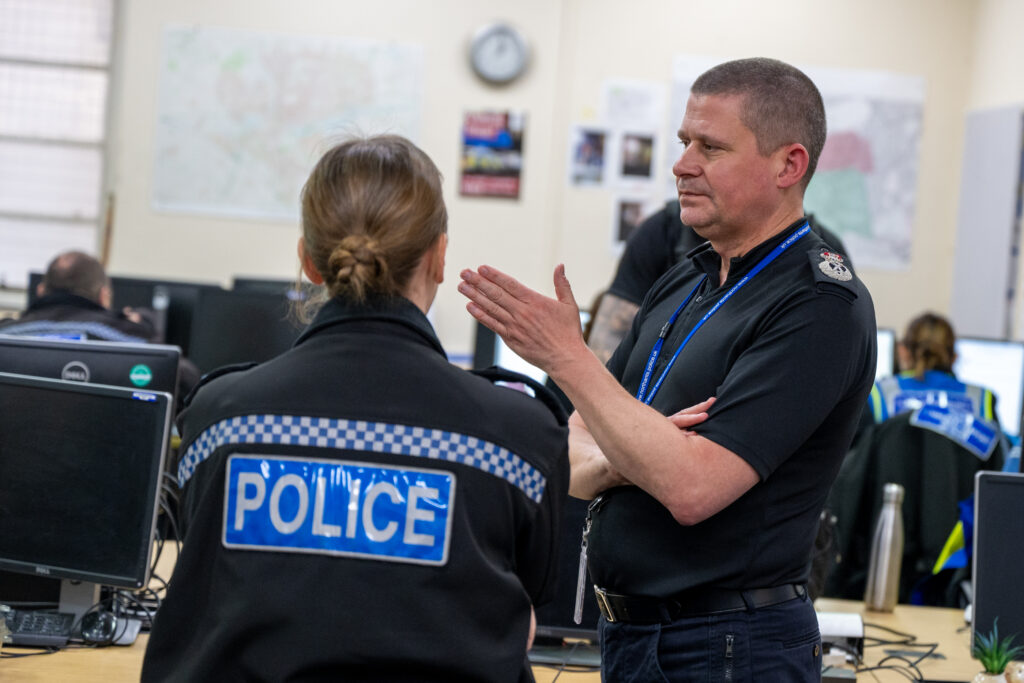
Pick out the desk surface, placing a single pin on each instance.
(943, 626)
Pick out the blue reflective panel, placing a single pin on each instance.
(338, 507)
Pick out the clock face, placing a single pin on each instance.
(498, 53)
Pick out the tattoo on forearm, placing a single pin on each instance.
(612, 321)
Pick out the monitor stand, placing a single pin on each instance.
(77, 597)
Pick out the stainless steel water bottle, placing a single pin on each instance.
(883, 583)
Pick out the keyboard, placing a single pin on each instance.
(32, 628)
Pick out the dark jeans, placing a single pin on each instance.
(777, 643)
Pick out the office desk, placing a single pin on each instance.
(930, 624)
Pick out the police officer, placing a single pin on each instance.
(654, 248)
(358, 508)
(926, 355)
(74, 303)
(700, 538)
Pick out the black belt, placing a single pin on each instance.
(694, 603)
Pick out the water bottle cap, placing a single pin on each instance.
(892, 493)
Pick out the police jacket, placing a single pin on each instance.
(360, 509)
(69, 316)
(900, 393)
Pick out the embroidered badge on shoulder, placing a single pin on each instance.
(831, 264)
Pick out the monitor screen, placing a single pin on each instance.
(886, 353)
(998, 554)
(241, 326)
(151, 367)
(489, 349)
(999, 366)
(80, 474)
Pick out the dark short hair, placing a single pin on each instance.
(781, 104)
(76, 272)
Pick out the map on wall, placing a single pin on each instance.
(244, 116)
(865, 186)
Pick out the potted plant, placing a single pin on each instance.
(994, 654)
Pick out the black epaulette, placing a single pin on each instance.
(540, 392)
(832, 275)
(214, 374)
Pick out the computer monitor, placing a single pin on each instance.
(172, 302)
(150, 367)
(555, 619)
(999, 366)
(489, 349)
(998, 554)
(80, 475)
(233, 326)
(886, 353)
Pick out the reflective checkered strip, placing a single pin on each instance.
(356, 435)
(42, 328)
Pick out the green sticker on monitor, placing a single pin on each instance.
(141, 375)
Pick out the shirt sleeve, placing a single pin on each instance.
(811, 356)
(649, 252)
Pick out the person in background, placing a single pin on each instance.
(658, 244)
(926, 354)
(74, 303)
(358, 508)
(704, 511)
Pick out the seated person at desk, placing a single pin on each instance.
(358, 508)
(926, 355)
(74, 303)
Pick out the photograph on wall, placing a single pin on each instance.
(492, 154)
(637, 156)
(629, 214)
(587, 156)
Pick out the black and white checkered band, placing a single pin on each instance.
(357, 435)
(54, 328)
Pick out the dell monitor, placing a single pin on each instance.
(80, 476)
(240, 326)
(149, 367)
(999, 366)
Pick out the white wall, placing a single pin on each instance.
(576, 45)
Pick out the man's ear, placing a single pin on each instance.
(307, 264)
(106, 297)
(795, 160)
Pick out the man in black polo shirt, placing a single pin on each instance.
(702, 529)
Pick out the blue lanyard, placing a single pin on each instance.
(656, 351)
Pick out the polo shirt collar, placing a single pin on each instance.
(707, 259)
(396, 309)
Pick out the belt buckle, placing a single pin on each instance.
(602, 604)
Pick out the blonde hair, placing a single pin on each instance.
(929, 341)
(370, 209)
